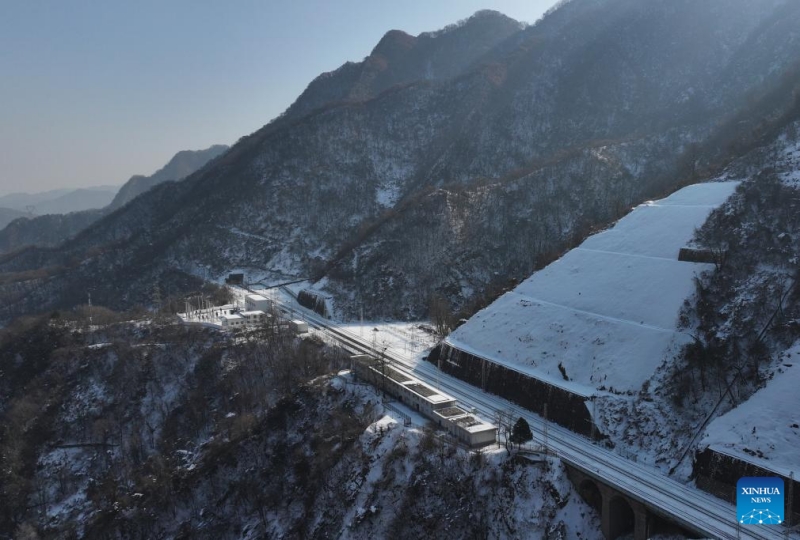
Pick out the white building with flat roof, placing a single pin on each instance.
(242, 319)
(254, 317)
(256, 302)
(298, 326)
(439, 407)
(232, 321)
(465, 426)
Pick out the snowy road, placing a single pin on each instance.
(689, 507)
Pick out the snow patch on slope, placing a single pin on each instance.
(765, 429)
(605, 315)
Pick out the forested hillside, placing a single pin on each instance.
(394, 181)
(135, 428)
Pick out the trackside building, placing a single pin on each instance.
(439, 407)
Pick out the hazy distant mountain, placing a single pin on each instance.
(60, 201)
(54, 227)
(77, 201)
(47, 230)
(181, 165)
(7, 215)
(441, 165)
(20, 200)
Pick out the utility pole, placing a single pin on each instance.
(91, 321)
(383, 370)
(790, 507)
(544, 429)
(439, 371)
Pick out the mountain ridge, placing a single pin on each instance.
(181, 165)
(59, 201)
(317, 194)
(379, 71)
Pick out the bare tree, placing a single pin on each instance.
(441, 314)
(505, 425)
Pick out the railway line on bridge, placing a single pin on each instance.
(688, 507)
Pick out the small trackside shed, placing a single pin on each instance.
(299, 327)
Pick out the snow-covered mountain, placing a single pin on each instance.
(676, 331)
(602, 318)
(408, 180)
(726, 391)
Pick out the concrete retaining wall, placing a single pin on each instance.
(718, 473)
(563, 407)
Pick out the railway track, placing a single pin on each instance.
(691, 508)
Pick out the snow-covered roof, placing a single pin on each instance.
(232, 317)
(252, 313)
(465, 420)
(255, 297)
(426, 392)
(606, 311)
(473, 424)
(438, 398)
(765, 429)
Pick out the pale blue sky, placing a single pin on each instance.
(93, 92)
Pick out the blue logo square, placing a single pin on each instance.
(759, 500)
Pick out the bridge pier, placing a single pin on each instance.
(619, 515)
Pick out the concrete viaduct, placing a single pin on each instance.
(623, 514)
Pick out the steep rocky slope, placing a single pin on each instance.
(743, 316)
(137, 429)
(443, 184)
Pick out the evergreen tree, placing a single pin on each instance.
(521, 432)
